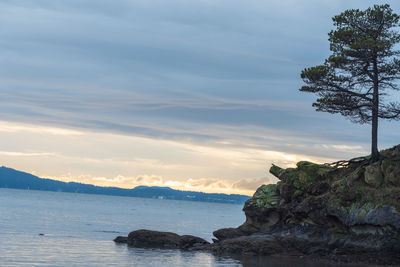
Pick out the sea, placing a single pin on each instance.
(41, 228)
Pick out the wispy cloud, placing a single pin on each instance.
(26, 154)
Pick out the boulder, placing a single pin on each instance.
(153, 239)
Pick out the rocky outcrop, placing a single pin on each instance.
(347, 212)
(350, 213)
(154, 239)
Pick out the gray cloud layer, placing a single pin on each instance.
(201, 71)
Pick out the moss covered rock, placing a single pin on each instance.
(349, 210)
(373, 174)
(266, 196)
(347, 194)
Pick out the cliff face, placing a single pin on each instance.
(351, 211)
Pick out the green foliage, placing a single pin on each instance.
(266, 195)
(343, 82)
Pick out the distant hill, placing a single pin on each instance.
(10, 178)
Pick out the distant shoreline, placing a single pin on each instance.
(95, 194)
(13, 179)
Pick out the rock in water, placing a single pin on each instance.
(155, 239)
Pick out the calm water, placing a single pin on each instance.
(78, 230)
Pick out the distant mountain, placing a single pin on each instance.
(10, 178)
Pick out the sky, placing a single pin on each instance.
(196, 95)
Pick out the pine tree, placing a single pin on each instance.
(364, 64)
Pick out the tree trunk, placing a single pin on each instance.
(374, 143)
(375, 115)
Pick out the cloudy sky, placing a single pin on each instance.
(192, 94)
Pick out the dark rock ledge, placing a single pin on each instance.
(345, 214)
